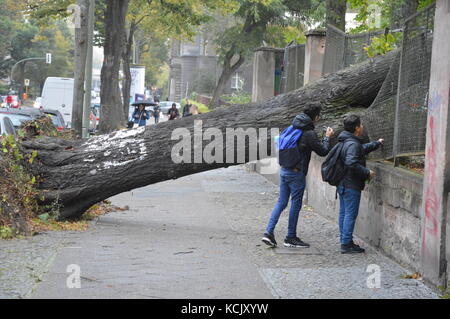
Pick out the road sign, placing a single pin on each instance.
(27, 82)
(48, 58)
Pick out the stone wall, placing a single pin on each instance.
(389, 215)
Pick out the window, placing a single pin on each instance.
(9, 127)
(237, 82)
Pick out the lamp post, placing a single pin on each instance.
(48, 60)
(88, 79)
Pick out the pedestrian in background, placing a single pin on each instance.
(173, 112)
(187, 109)
(156, 112)
(140, 116)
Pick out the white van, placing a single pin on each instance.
(57, 94)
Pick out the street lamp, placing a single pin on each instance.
(48, 60)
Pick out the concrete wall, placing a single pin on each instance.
(314, 55)
(390, 211)
(389, 215)
(263, 74)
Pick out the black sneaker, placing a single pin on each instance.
(351, 248)
(269, 240)
(295, 242)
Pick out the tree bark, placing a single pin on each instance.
(83, 172)
(81, 37)
(336, 10)
(113, 115)
(126, 57)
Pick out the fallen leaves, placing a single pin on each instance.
(45, 223)
(415, 275)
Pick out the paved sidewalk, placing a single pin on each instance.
(200, 237)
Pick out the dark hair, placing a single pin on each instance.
(312, 111)
(174, 104)
(351, 122)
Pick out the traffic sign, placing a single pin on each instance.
(27, 82)
(48, 58)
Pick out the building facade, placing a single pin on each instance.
(195, 67)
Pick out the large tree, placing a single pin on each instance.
(113, 114)
(336, 10)
(80, 173)
(236, 43)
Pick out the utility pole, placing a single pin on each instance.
(81, 34)
(88, 79)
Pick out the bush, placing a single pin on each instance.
(202, 108)
(237, 98)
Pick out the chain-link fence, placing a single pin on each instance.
(399, 113)
(414, 80)
(343, 50)
(334, 50)
(379, 119)
(293, 68)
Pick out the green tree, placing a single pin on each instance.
(253, 18)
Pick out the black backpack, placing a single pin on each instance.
(333, 169)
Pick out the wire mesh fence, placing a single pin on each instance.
(414, 80)
(399, 112)
(334, 50)
(343, 50)
(293, 68)
(379, 118)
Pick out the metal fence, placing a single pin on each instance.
(414, 81)
(399, 112)
(343, 50)
(293, 68)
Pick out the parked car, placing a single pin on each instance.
(6, 126)
(57, 118)
(20, 115)
(16, 103)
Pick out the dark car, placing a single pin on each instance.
(56, 117)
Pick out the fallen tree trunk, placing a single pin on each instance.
(81, 173)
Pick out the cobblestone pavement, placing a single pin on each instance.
(198, 237)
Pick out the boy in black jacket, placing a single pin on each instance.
(293, 179)
(354, 157)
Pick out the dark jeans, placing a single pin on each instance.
(349, 207)
(292, 184)
(156, 119)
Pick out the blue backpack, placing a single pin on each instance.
(288, 152)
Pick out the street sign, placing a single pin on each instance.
(48, 58)
(27, 82)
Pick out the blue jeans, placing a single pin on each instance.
(349, 207)
(292, 184)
